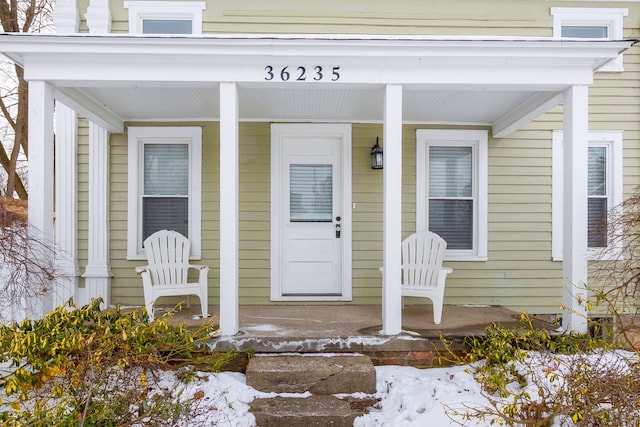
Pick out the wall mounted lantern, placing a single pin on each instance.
(376, 156)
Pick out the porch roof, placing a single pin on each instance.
(497, 82)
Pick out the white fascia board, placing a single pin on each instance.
(333, 46)
(74, 60)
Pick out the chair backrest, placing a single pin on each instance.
(422, 255)
(168, 257)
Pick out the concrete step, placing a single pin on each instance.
(319, 375)
(311, 411)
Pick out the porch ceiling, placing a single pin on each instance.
(280, 103)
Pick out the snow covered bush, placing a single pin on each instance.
(533, 377)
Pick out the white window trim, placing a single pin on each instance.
(190, 135)
(456, 137)
(612, 18)
(612, 139)
(187, 10)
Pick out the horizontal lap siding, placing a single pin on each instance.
(255, 212)
(367, 216)
(126, 287)
(519, 273)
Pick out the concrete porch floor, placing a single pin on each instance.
(349, 328)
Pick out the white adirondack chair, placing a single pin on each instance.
(166, 274)
(422, 272)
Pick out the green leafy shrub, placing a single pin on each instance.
(87, 366)
(499, 344)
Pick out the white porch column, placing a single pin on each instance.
(229, 208)
(575, 155)
(392, 215)
(98, 272)
(66, 17)
(98, 16)
(66, 205)
(41, 172)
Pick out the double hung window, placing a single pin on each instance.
(164, 184)
(604, 192)
(452, 190)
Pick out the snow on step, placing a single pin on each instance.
(310, 411)
(316, 374)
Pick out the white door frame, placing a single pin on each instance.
(329, 129)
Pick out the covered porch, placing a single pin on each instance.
(498, 83)
(355, 328)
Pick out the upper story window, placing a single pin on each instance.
(452, 191)
(604, 192)
(591, 23)
(165, 17)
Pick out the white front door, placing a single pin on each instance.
(310, 232)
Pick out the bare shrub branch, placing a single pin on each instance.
(27, 268)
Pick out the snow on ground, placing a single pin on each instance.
(409, 397)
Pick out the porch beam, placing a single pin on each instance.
(534, 106)
(66, 224)
(392, 211)
(229, 161)
(575, 157)
(40, 211)
(97, 273)
(91, 109)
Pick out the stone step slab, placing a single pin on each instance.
(316, 411)
(319, 375)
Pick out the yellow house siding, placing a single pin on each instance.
(519, 273)
(367, 216)
(254, 210)
(83, 169)
(364, 17)
(126, 287)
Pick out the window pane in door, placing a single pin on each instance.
(166, 169)
(166, 26)
(453, 221)
(450, 171)
(160, 213)
(310, 193)
(597, 222)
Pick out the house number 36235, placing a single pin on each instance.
(302, 74)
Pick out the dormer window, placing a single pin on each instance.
(165, 17)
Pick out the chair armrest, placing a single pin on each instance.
(198, 267)
(140, 270)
